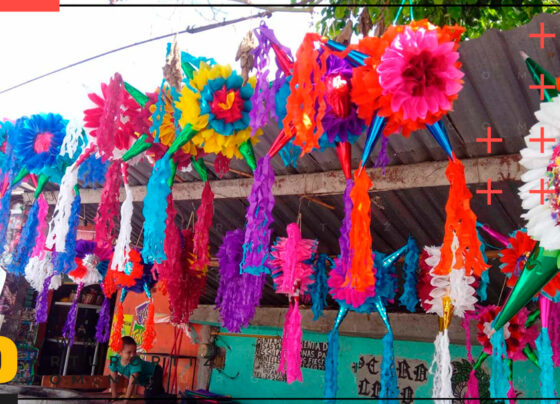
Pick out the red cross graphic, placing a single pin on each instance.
(541, 139)
(489, 140)
(541, 191)
(489, 191)
(542, 35)
(542, 87)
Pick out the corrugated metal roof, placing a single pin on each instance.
(496, 94)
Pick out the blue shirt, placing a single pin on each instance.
(144, 369)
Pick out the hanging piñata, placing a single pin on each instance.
(292, 276)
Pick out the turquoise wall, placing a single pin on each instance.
(237, 379)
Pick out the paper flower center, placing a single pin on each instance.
(227, 105)
(422, 72)
(42, 142)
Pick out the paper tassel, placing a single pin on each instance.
(290, 356)
(115, 342)
(4, 217)
(331, 366)
(361, 276)
(264, 95)
(498, 377)
(202, 226)
(103, 327)
(337, 277)
(442, 387)
(554, 331)
(472, 389)
(409, 297)
(64, 261)
(319, 288)
(382, 158)
(238, 293)
(58, 227)
(39, 248)
(291, 271)
(26, 242)
(511, 393)
(42, 302)
(481, 291)
(149, 332)
(69, 330)
(389, 387)
(545, 364)
(122, 248)
(108, 208)
(306, 105)
(256, 244)
(461, 221)
(155, 206)
(385, 279)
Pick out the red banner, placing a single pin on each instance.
(29, 5)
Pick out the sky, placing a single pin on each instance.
(36, 43)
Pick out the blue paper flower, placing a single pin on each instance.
(38, 140)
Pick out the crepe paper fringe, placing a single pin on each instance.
(108, 209)
(103, 327)
(499, 384)
(256, 244)
(290, 356)
(386, 282)
(409, 297)
(263, 98)
(319, 289)
(238, 293)
(26, 241)
(442, 387)
(42, 226)
(155, 208)
(149, 332)
(472, 389)
(306, 104)
(461, 221)
(64, 262)
(69, 330)
(202, 226)
(361, 275)
(382, 159)
(290, 262)
(544, 348)
(122, 248)
(42, 302)
(115, 342)
(4, 217)
(331, 367)
(389, 387)
(59, 225)
(481, 291)
(554, 331)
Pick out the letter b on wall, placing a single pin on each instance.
(8, 360)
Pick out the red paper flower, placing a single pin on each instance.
(516, 335)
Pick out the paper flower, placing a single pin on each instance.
(414, 70)
(38, 140)
(217, 105)
(104, 119)
(516, 335)
(543, 172)
(515, 256)
(89, 268)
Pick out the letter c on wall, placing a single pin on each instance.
(8, 363)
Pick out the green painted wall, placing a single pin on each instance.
(237, 378)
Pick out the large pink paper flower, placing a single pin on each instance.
(420, 74)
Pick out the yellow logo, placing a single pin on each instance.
(8, 362)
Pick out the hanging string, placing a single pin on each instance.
(400, 10)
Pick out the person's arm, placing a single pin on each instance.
(114, 376)
(131, 389)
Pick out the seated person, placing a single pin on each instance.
(138, 371)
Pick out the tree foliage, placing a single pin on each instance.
(477, 16)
